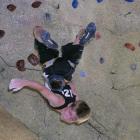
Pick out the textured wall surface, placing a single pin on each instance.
(13, 129)
(107, 76)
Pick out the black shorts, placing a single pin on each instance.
(60, 67)
(45, 53)
(70, 52)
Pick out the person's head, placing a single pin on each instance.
(78, 112)
(56, 82)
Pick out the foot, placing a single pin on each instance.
(89, 33)
(80, 33)
(44, 37)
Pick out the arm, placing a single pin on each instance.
(18, 84)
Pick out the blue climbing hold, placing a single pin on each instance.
(99, 1)
(102, 60)
(83, 74)
(133, 67)
(75, 3)
(48, 16)
(130, 0)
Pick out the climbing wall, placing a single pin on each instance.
(107, 76)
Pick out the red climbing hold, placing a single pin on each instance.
(129, 46)
(11, 7)
(33, 59)
(20, 65)
(2, 33)
(97, 35)
(36, 4)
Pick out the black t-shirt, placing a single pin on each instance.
(60, 67)
(67, 95)
(72, 52)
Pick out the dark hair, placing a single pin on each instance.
(82, 109)
(56, 84)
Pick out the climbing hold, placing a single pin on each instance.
(130, 0)
(36, 4)
(133, 67)
(2, 33)
(97, 35)
(101, 60)
(58, 6)
(20, 65)
(33, 59)
(139, 44)
(75, 3)
(48, 16)
(83, 74)
(99, 1)
(128, 13)
(11, 7)
(129, 46)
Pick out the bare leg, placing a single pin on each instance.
(44, 53)
(43, 36)
(78, 36)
